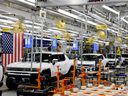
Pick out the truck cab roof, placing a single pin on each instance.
(48, 52)
(92, 54)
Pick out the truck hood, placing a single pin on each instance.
(86, 62)
(109, 59)
(28, 65)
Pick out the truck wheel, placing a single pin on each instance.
(46, 81)
(1, 75)
(1, 83)
(11, 83)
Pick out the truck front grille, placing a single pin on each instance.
(22, 69)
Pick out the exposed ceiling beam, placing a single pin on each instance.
(20, 2)
(16, 12)
(27, 15)
(51, 3)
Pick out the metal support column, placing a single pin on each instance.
(42, 12)
(116, 36)
(85, 24)
(33, 20)
(81, 42)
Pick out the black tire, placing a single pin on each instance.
(11, 83)
(1, 83)
(33, 79)
(46, 81)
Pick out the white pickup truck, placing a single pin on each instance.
(1, 75)
(124, 59)
(91, 60)
(21, 71)
(112, 61)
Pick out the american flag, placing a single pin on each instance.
(7, 43)
(18, 50)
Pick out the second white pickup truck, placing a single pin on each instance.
(91, 60)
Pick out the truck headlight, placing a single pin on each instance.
(34, 69)
(78, 64)
(8, 68)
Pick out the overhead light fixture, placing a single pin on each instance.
(4, 26)
(14, 19)
(80, 13)
(92, 23)
(33, 1)
(110, 9)
(30, 26)
(54, 30)
(79, 18)
(8, 17)
(27, 2)
(100, 19)
(112, 30)
(27, 21)
(68, 14)
(74, 16)
(72, 31)
(124, 20)
(6, 21)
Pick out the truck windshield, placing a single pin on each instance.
(112, 56)
(125, 55)
(45, 58)
(89, 57)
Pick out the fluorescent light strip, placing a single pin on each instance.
(30, 26)
(36, 36)
(74, 16)
(60, 33)
(26, 2)
(98, 18)
(68, 14)
(27, 21)
(92, 23)
(33, 1)
(82, 14)
(110, 9)
(15, 19)
(6, 21)
(4, 26)
(55, 31)
(77, 17)
(72, 31)
(8, 17)
(124, 20)
(112, 30)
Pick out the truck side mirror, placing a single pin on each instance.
(54, 61)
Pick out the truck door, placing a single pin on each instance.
(56, 62)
